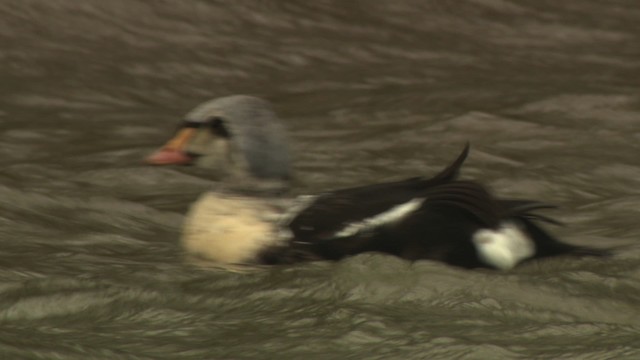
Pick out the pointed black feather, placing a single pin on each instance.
(525, 208)
(547, 245)
(519, 205)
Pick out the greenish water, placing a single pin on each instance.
(90, 266)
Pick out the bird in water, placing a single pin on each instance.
(440, 218)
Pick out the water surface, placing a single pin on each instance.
(90, 266)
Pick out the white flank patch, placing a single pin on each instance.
(227, 229)
(394, 214)
(503, 248)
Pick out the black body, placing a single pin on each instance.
(440, 229)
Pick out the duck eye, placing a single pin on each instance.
(217, 126)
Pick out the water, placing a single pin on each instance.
(89, 262)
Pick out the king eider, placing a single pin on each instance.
(238, 136)
(440, 218)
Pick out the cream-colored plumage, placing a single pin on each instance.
(228, 228)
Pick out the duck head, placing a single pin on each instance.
(236, 135)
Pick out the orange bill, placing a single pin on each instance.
(173, 152)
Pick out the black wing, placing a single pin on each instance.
(440, 229)
(332, 211)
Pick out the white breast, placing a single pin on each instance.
(503, 248)
(228, 229)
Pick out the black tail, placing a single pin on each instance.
(546, 244)
(525, 209)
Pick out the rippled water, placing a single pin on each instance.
(546, 92)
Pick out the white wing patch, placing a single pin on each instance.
(503, 248)
(394, 214)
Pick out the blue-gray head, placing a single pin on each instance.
(235, 135)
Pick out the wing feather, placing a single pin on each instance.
(333, 211)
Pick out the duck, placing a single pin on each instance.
(440, 218)
(237, 136)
